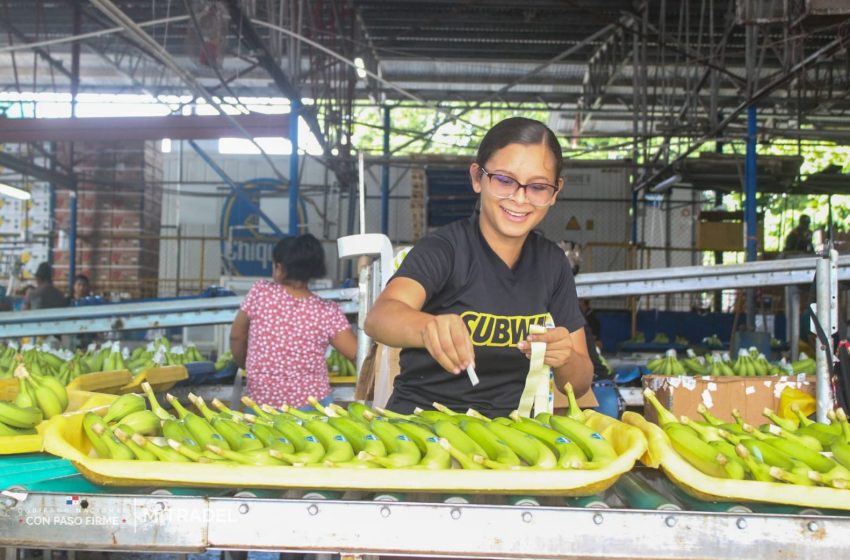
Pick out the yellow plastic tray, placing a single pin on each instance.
(695, 482)
(9, 388)
(64, 438)
(101, 381)
(161, 379)
(342, 379)
(78, 401)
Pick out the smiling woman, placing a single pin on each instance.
(467, 294)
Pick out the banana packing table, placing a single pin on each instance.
(46, 504)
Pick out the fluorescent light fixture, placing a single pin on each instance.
(14, 192)
(361, 67)
(665, 185)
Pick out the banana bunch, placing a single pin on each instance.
(791, 451)
(717, 367)
(693, 364)
(223, 361)
(804, 364)
(712, 341)
(669, 364)
(748, 366)
(661, 338)
(638, 338)
(356, 436)
(7, 360)
(39, 397)
(339, 364)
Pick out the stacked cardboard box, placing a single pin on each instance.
(119, 207)
(750, 395)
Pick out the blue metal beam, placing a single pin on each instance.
(293, 166)
(235, 188)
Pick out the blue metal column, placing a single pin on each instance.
(750, 184)
(293, 166)
(385, 176)
(72, 240)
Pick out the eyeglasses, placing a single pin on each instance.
(537, 194)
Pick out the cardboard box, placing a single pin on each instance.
(750, 395)
(725, 236)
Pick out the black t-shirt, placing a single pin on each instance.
(462, 275)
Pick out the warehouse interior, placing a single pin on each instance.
(162, 148)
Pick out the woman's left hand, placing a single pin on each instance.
(559, 346)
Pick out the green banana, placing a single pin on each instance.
(793, 450)
(447, 429)
(735, 466)
(496, 449)
(95, 438)
(570, 455)
(664, 416)
(239, 437)
(791, 477)
(176, 430)
(357, 410)
(221, 407)
(25, 398)
(359, 435)
(807, 441)
(337, 447)
(308, 449)
(434, 455)
(759, 470)
(530, 449)
(188, 452)
(201, 430)
(401, 451)
(271, 438)
(117, 449)
(783, 423)
(157, 409)
(573, 411)
(841, 454)
(46, 400)
(592, 443)
(57, 388)
(124, 405)
(255, 457)
(695, 451)
(143, 421)
(762, 452)
(162, 450)
(18, 417)
(434, 416)
(10, 431)
(463, 459)
(139, 452)
(258, 410)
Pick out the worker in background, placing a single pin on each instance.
(447, 304)
(799, 240)
(82, 287)
(45, 295)
(282, 330)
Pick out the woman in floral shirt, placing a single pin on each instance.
(282, 330)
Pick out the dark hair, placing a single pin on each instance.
(302, 257)
(519, 130)
(805, 219)
(82, 278)
(44, 272)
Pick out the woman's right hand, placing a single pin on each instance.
(447, 340)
